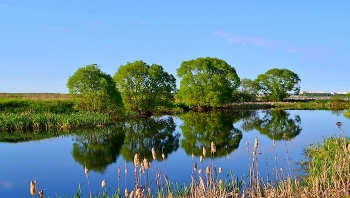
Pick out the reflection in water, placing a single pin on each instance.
(200, 129)
(98, 149)
(141, 135)
(276, 124)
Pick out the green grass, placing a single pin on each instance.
(28, 121)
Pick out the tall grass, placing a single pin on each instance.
(28, 121)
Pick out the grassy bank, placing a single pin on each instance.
(28, 121)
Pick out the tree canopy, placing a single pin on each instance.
(277, 84)
(145, 87)
(207, 82)
(94, 90)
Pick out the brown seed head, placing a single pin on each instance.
(207, 170)
(145, 163)
(86, 172)
(126, 192)
(195, 166)
(136, 160)
(212, 147)
(204, 151)
(220, 170)
(154, 154)
(138, 192)
(33, 187)
(256, 143)
(200, 159)
(200, 171)
(103, 183)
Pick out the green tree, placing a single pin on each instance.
(200, 129)
(277, 84)
(94, 90)
(99, 148)
(276, 124)
(143, 134)
(145, 87)
(248, 90)
(207, 82)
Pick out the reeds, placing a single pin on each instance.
(45, 121)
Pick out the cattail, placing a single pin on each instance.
(195, 166)
(86, 172)
(145, 163)
(139, 192)
(200, 171)
(154, 154)
(103, 183)
(204, 151)
(246, 143)
(33, 187)
(163, 156)
(136, 160)
(200, 159)
(192, 156)
(126, 192)
(41, 193)
(256, 142)
(207, 170)
(220, 170)
(212, 147)
(220, 185)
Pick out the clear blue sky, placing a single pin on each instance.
(43, 42)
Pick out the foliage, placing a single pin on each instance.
(145, 87)
(207, 82)
(94, 90)
(276, 124)
(143, 134)
(27, 121)
(329, 167)
(38, 106)
(277, 84)
(97, 150)
(248, 90)
(200, 129)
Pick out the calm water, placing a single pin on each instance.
(58, 163)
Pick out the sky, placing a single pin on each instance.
(42, 43)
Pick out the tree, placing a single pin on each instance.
(94, 90)
(277, 84)
(145, 87)
(248, 90)
(207, 82)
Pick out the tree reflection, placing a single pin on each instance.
(276, 124)
(200, 129)
(98, 149)
(145, 133)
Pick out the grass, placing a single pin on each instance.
(28, 121)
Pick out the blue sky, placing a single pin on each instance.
(42, 43)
